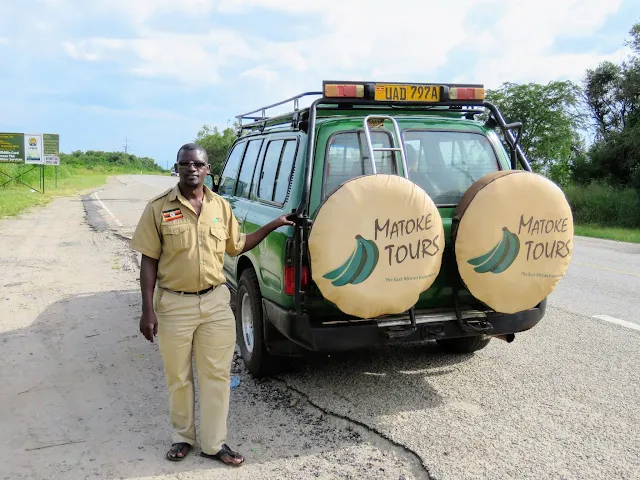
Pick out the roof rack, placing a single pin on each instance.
(398, 94)
(263, 118)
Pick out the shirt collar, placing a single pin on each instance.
(175, 192)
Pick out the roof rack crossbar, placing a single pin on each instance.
(263, 110)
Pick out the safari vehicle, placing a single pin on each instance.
(437, 140)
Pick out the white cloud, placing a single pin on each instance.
(261, 73)
(191, 59)
(358, 39)
(521, 41)
(139, 11)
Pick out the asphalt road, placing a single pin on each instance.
(561, 401)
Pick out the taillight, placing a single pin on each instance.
(465, 93)
(290, 279)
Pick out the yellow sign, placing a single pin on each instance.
(398, 92)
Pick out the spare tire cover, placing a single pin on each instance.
(375, 245)
(513, 237)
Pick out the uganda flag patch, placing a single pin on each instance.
(173, 214)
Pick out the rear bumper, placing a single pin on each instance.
(340, 336)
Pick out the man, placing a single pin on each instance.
(182, 236)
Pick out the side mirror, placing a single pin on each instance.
(210, 183)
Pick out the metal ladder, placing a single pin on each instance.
(392, 334)
(367, 133)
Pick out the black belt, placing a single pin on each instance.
(201, 292)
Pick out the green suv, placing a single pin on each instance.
(442, 137)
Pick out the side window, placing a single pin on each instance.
(348, 157)
(284, 172)
(248, 165)
(270, 170)
(230, 173)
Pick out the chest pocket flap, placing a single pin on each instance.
(176, 236)
(218, 237)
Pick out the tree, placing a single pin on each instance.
(612, 94)
(216, 144)
(550, 116)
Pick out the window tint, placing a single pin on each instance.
(445, 164)
(284, 172)
(269, 170)
(276, 171)
(248, 165)
(348, 157)
(230, 173)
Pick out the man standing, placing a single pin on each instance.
(183, 235)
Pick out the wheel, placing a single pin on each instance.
(464, 344)
(249, 325)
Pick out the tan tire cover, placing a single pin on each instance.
(514, 239)
(375, 245)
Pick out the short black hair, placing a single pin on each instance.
(193, 147)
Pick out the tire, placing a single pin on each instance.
(249, 325)
(464, 344)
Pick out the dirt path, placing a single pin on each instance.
(82, 394)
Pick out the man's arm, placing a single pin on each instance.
(254, 238)
(148, 274)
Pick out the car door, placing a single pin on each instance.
(235, 186)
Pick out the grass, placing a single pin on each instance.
(18, 198)
(604, 205)
(603, 211)
(631, 235)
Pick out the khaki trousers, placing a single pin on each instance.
(204, 325)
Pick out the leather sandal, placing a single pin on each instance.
(226, 451)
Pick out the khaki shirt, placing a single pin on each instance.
(190, 249)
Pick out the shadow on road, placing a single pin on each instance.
(383, 380)
(87, 397)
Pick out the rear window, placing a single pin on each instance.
(445, 164)
(348, 157)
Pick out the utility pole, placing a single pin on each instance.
(126, 145)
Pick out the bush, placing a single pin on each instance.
(604, 205)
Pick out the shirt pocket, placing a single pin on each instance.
(176, 237)
(218, 238)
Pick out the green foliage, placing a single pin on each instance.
(90, 162)
(612, 94)
(604, 205)
(550, 119)
(216, 144)
(104, 160)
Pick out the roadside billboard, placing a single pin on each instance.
(51, 148)
(30, 148)
(34, 153)
(11, 148)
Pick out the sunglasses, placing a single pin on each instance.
(198, 165)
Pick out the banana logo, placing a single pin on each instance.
(358, 267)
(500, 257)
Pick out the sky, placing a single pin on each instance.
(151, 73)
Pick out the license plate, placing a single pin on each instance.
(395, 92)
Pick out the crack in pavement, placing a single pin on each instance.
(380, 434)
